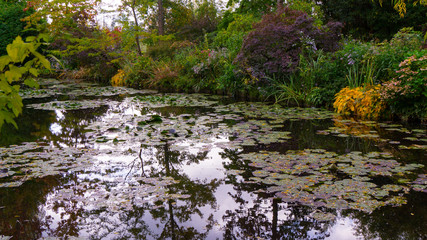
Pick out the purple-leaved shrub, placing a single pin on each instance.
(273, 48)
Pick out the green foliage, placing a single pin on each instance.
(298, 87)
(256, 7)
(309, 7)
(11, 25)
(388, 55)
(367, 19)
(161, 50)
(90, 48)
(14, 68)
(138, 70)
(406, 94)
(232, 37)
(164, 76)
(231, 80)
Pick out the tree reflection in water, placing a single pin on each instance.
(266, 217)
(205, 205)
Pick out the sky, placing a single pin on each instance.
(106, 19)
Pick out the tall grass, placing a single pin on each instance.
(296, 87)
(363, 74)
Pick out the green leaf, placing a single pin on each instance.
(42, 60)
(12, 76)
(34, 72)
(4, 61)
(30, 39)
(15, 104)
(17, 50)
(31, 82)
(8, 117)
(5, 87)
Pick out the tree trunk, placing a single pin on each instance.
(137, 28)
(161, 17)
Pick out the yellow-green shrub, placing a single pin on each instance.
(118, 79)
(363, 102)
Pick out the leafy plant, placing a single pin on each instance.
(406, 94)
(21, 64)
(164, 76)
(363, 75)
(118, 79)
(287, 90)
(137, 69)
(232, 37)
(274, 46)
(363, 102)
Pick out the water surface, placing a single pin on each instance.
(113, 163)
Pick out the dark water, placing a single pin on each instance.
(143, 179)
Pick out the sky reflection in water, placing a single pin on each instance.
(183, 183)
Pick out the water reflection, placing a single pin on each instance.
(184, 189)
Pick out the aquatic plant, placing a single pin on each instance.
(318, 178)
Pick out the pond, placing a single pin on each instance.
(93, 162)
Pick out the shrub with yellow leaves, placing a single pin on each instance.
(118, 79)
(363, 102)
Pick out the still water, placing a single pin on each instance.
(92, 162)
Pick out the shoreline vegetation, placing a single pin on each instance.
(296, 54)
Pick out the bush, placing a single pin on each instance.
(119, 78)
(406, 94)
(389, 54)
(90, 48)
(272, 49)
(164, 77)
(138, 70)
(162, 50)
(202, 64)
(231, 80)
(364, 102)
(205, 20)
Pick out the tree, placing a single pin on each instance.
(273, 48)
(400, 5)
(62, 14)
(367, 19)
(10, 16)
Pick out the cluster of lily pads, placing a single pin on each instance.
(174, 100)
(53, 87)
(275, 112)
(152, 129)
(20, 163)
(318, 178)
(70, 105)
